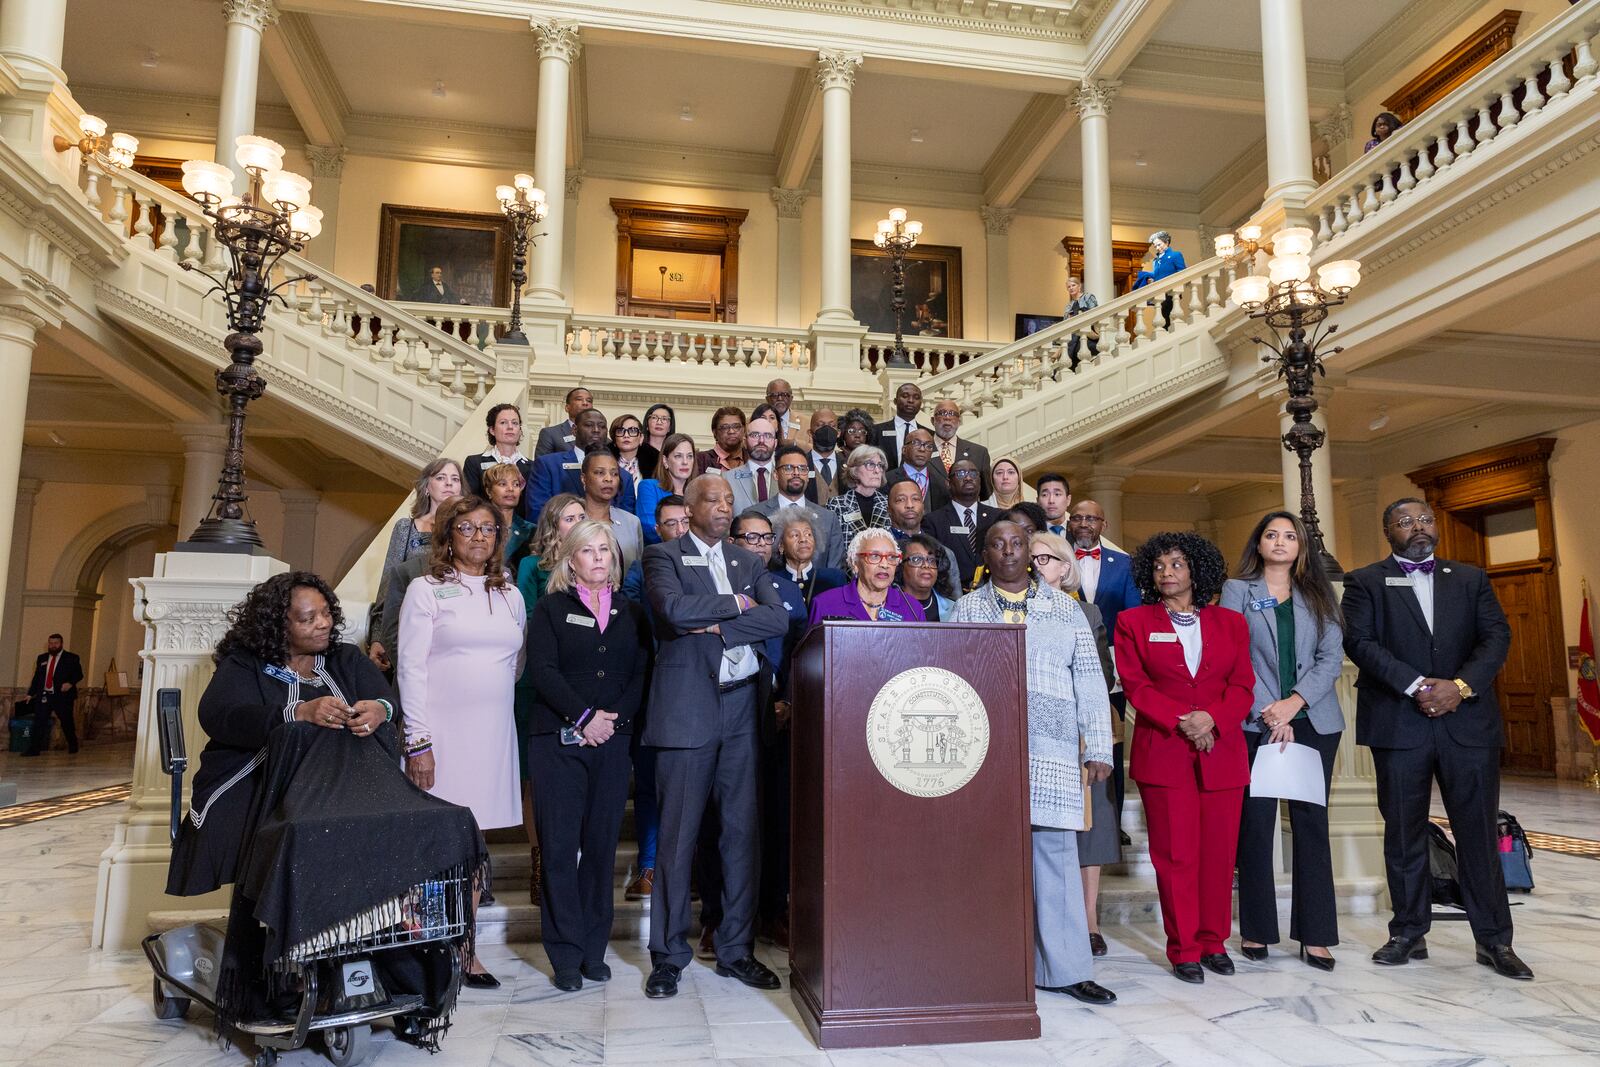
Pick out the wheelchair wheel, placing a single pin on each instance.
(167, 1007)
(347, 1046)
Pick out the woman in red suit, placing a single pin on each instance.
(1186, 669)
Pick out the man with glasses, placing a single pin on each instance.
(727, 453)
(781, 396)
(959, 524)
(949, 446)
(559, 438)
(794, 477)
(561, 472)
(755, 482)
(906, 515)
(1429, 638)
(916, 463)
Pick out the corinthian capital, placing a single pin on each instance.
(557, 37)
(1336, 128)
(837, 69)
(327, 160)
(257, 13)
(791, 203)
(1094, 98)
(997, 220)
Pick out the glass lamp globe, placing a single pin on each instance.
(1251, 289)
(1294, 241)
(1340, 276)
(258, 153)
(206, 181)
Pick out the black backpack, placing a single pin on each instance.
(1442, 868)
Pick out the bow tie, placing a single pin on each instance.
(1426, 566)
(1091, 553)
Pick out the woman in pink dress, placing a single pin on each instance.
(461, 628)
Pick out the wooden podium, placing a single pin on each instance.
(911, 916)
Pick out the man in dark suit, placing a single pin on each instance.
(949, 446)
(559, 438)
(1430, 637)
(562, 472)
(713, 616)
(53, 691)
(824, 457)
(435, 291)
(794, 479)
(888, 435)
(956, 525)
(916, 465)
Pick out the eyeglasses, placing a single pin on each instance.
(756, 538)
(921, 561)
(660, 416)
(871, 465)
(780, 396)
(630, 431)
(964, 472)
(761, 435)
(879, 557)
(671, 525)
(1085, 520)
(467, 529)
(793, 468)
(1407, 522)
(729, 427)
(1045, 557)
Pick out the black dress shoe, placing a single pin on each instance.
(408, 1028)
(568, 981)
(481, 980)
(1256, 953)
(1086, 992)
(596, 972)
(1398, 950)
(663, 981)
(1189, 972)
(1504, 962)
(1097, 945)
(752, 972)
(1217, 962)
(1321, 963)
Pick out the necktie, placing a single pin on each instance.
(947, 455)
(827, 470)
(50, 673)
(761, 483)
(970, 522)
(1426, 566)
(719, 576)
(1087, 553)
(1059, 531)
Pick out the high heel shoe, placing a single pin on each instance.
(1321, 963)
(1256, 953)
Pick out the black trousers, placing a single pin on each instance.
(1313, 908)
(59, 705)
(1469, 783)
(1119, 785)
(722, 772)
(580, 793)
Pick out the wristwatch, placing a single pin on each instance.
(1466, 690)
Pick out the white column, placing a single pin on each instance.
(1321, 472)
(299, 527)
(997, 269)
(204, 445)
(836, 77)
(791, 205)
(31, 34)
(18, 333)
(327, 172)
(569, 240)
(27, 494)
(241, 69)
(558, 50)
(1283, 72)
(1104, 487)
(1093, 101)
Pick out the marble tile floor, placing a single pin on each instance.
(63, 1004)
(55, 773)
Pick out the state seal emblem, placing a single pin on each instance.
(928, 732)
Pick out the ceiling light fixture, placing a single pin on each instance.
(686, 113)
(152, 59)
(916, 136)
(1382, 420)
(1139, 160)
(438, 89)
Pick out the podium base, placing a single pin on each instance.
(884, 1028)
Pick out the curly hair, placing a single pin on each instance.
(1204, 558)
(259, 624)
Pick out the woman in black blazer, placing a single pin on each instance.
(504, 424)
(588, 659)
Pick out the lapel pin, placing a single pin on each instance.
(1445, 569)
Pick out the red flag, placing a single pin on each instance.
(1588, 683)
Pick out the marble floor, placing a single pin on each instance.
(63, 1004)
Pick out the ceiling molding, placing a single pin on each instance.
(1402, 40)
(179, 116)
(799, 132)
(1123, 29)
(1217, 79)
(1022, 153)
(309, 82)
(1234, 193)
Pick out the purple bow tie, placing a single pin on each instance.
(1426, 566)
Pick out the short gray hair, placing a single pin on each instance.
(1161, 235)
(784, 518)
(865, 452)
(860, 540)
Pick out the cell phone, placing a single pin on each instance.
(570, 735)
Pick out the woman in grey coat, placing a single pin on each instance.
(1066, 700)
(1297, 649)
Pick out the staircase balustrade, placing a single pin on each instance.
(928, 355)
(592, 338)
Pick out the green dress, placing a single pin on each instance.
(531, 579)
(1288, 665)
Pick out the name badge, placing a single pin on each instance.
(696, 561)
(572, 466)
(1038, 604)
(282, 674)
(580, 620)
(1407, 581)
(445, 592)
(959, 530)
(852, 516)
(566, 437)
(1163, 639)
(885, 615)
(811, 476)
(1266, 603)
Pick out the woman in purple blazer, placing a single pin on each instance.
(874, 560)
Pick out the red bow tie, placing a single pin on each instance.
(1092, 553)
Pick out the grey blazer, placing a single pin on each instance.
(830, 535)
(1319, 656)
(557, 438)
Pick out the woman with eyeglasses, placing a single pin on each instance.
(863, 507)
(660, 423)
(627, 445)
(462, 626)
(874, 559)
(925, 576)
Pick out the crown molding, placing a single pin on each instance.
(1402, 40)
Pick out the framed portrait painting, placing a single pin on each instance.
(933, 289)
(444, 257)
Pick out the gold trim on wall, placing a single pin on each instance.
(1482, 47)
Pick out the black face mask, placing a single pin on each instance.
(825, 437)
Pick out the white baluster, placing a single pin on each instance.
(1486, 127)
(168, 244)
(1179, 314)
(1353, 211)
(1444, 157)
(1559, 83)
(91, 191)
(1586, 64)
(1532, 99)
(480, 388)
(1213, 298)
(1406, 182)
(1508, 106)
(119, 207)
(457, 387)
(144, 227)
(217, 253)
(1464, 142)
(1424, 165)
(1111, 335)
(434, 372)
(410, 342)
(384, 350)
(1369, 202)
(191, 249)
(1340, 223)
(1324, 226)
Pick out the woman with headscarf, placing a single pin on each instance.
(1009, 488)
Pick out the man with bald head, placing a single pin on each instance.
(824, 457)
(755, 482)
(780, 394)
(949, 446)
(916, 463)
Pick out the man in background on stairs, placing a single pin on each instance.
(53, 691)
(727, 451)
(959, 525)
(916, 464)
(824, 457)
(1055, 497)
(562, 472)
(559, 438)
(780, 394)
(907, 407)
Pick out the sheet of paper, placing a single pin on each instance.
(1293, 774)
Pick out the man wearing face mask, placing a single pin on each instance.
(824, 456)
(1430, 637)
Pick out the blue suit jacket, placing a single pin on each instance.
(1115, 591)
(560, 472)
(1165, 265)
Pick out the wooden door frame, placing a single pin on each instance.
(1461, 490)
(659, 226)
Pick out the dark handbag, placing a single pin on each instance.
(1516, 855)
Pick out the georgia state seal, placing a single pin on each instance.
(928, 732)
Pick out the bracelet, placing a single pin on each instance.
(388, 710)
(579, 723)
(419, 750)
